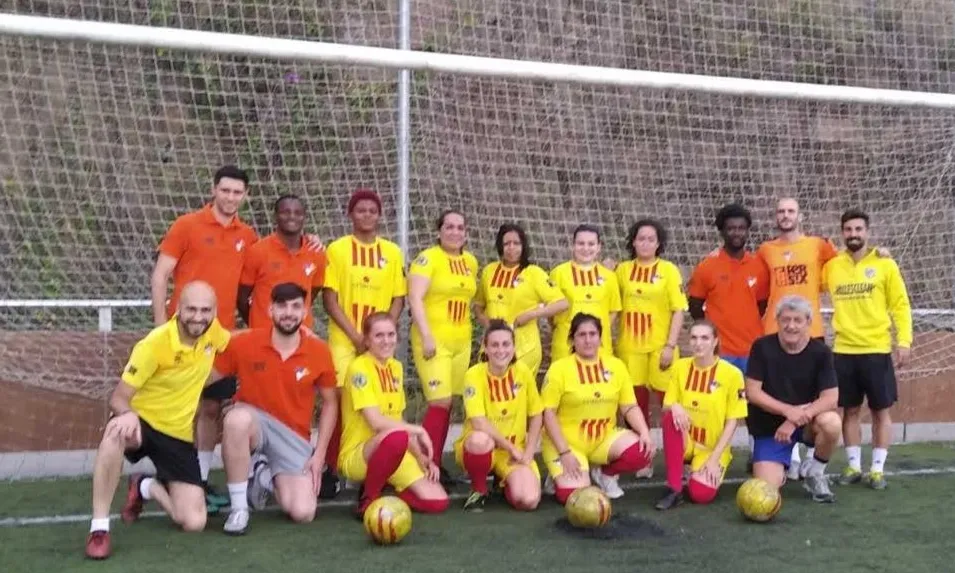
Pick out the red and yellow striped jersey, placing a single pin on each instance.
(447, 303)
(649, 294)
(586, 396)
(508, 402)
(592, 290)
(366, 277)
(369, 383)
(710, 396)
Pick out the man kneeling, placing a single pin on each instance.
(279, 370)
(793, 394)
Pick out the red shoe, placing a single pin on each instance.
(98, 545)
(134, 500)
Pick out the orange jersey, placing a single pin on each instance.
(795, 268)
(211, 252)
(366, 278)
(283, 388)
(268, 263)
(731, 290)
(649, 294)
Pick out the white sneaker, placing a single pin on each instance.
(804, 468)
(645, 473)
(260, 486)
(549, 487)
(609, 484)
(237, 522)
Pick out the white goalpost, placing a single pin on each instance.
(112, 120)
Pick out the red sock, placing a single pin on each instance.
(424, 505)
(478, 466)
(632, 459)
(384, 461)
(436, 422)
(674, 450)
(562, 493)
(700, 492)
(334, 447)
(643, 400)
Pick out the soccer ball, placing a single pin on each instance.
(588, 507)
(387, 520)
(758, 500)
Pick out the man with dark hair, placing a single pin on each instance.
(281, 368)
(868, 296)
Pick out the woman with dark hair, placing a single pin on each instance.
(441, 285)
(589, 287)
(651, 292)
(519, 293)
(583, 395)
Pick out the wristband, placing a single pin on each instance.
(565, 452)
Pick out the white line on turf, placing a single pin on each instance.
(79, 518)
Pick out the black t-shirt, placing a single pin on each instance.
(790, 378)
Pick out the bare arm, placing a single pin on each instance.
(334, 310)
(547, 311)
(397, 305)
(326, 421)
(243, 302)
(696, 308)
(417, 287)
(552, 425)
(634, 418)
(534, 425)
(159, 282)
(120, 398)
(480, 316)
(827, 401)
(676, 326)
(729, 428)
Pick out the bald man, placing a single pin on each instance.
(152, 412)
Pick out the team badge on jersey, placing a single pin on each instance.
(713, 386)
(209, 349)
(382, 262)
(422, 260)
(309, 269)
(131, 370)
(469, 392)
(239, 245)
(359, 380)
(869, 273)
(607, 375)
(300, 372)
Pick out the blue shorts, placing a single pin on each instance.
(737, 361)
(767, 449)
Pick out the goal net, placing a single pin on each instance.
(102, 146)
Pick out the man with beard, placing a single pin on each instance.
(152, 412)
(281, 369)
(729, 287)
(868, 296)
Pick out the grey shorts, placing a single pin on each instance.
(285, 450)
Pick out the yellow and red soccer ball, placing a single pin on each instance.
(387, 520)
(758, 500)
(588, 508)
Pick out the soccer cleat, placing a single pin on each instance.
(818, 486)
(134, 500)
(670, 500)
(876, 480)
(98, 545)
(645, 473)
(214, 500)
(749, 465)
(237, 523)
(609, 484)
(331, 486)
(259, 487)
(549, 487)
(475, 502)
(363, 503)
(849, 476)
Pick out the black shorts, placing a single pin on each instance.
(175, 460)
(222, 390)
(869, 376)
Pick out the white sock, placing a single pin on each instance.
(854, 457)
(810, 452)
(795, 459)
(144, 487)
(205, 462)
(816, 468)
(752, 443)
(99, 524)
(878, 460)
(237, 495)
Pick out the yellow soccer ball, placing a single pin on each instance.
(387, 520)
(758, 500)
(588, 507)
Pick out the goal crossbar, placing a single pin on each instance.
(286, 49)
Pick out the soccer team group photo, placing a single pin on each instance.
(568, 375)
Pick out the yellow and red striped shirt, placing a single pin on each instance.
(447, 304)
(710, 396)
(649, 294)
(592, 290)
(508, 402)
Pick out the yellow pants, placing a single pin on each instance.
(644, 368)
(443, 374)
(597, 453)
(353, 466)
(342, 357)
(501, 463)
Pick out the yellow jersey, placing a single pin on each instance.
(447, 304)
(505, 293)
(592, 290)
(867, 297)
(366, 278)
(710, 396)
(649, 294)
(169, 376)
(370, 384)
(586, 396)
(507, 402)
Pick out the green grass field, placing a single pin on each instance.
(906, 527)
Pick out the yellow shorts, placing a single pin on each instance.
(500, 462)
(596, 453)
(353, 466)
(342, 356)
(696, 455)
(645, 370)
(443, 375)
